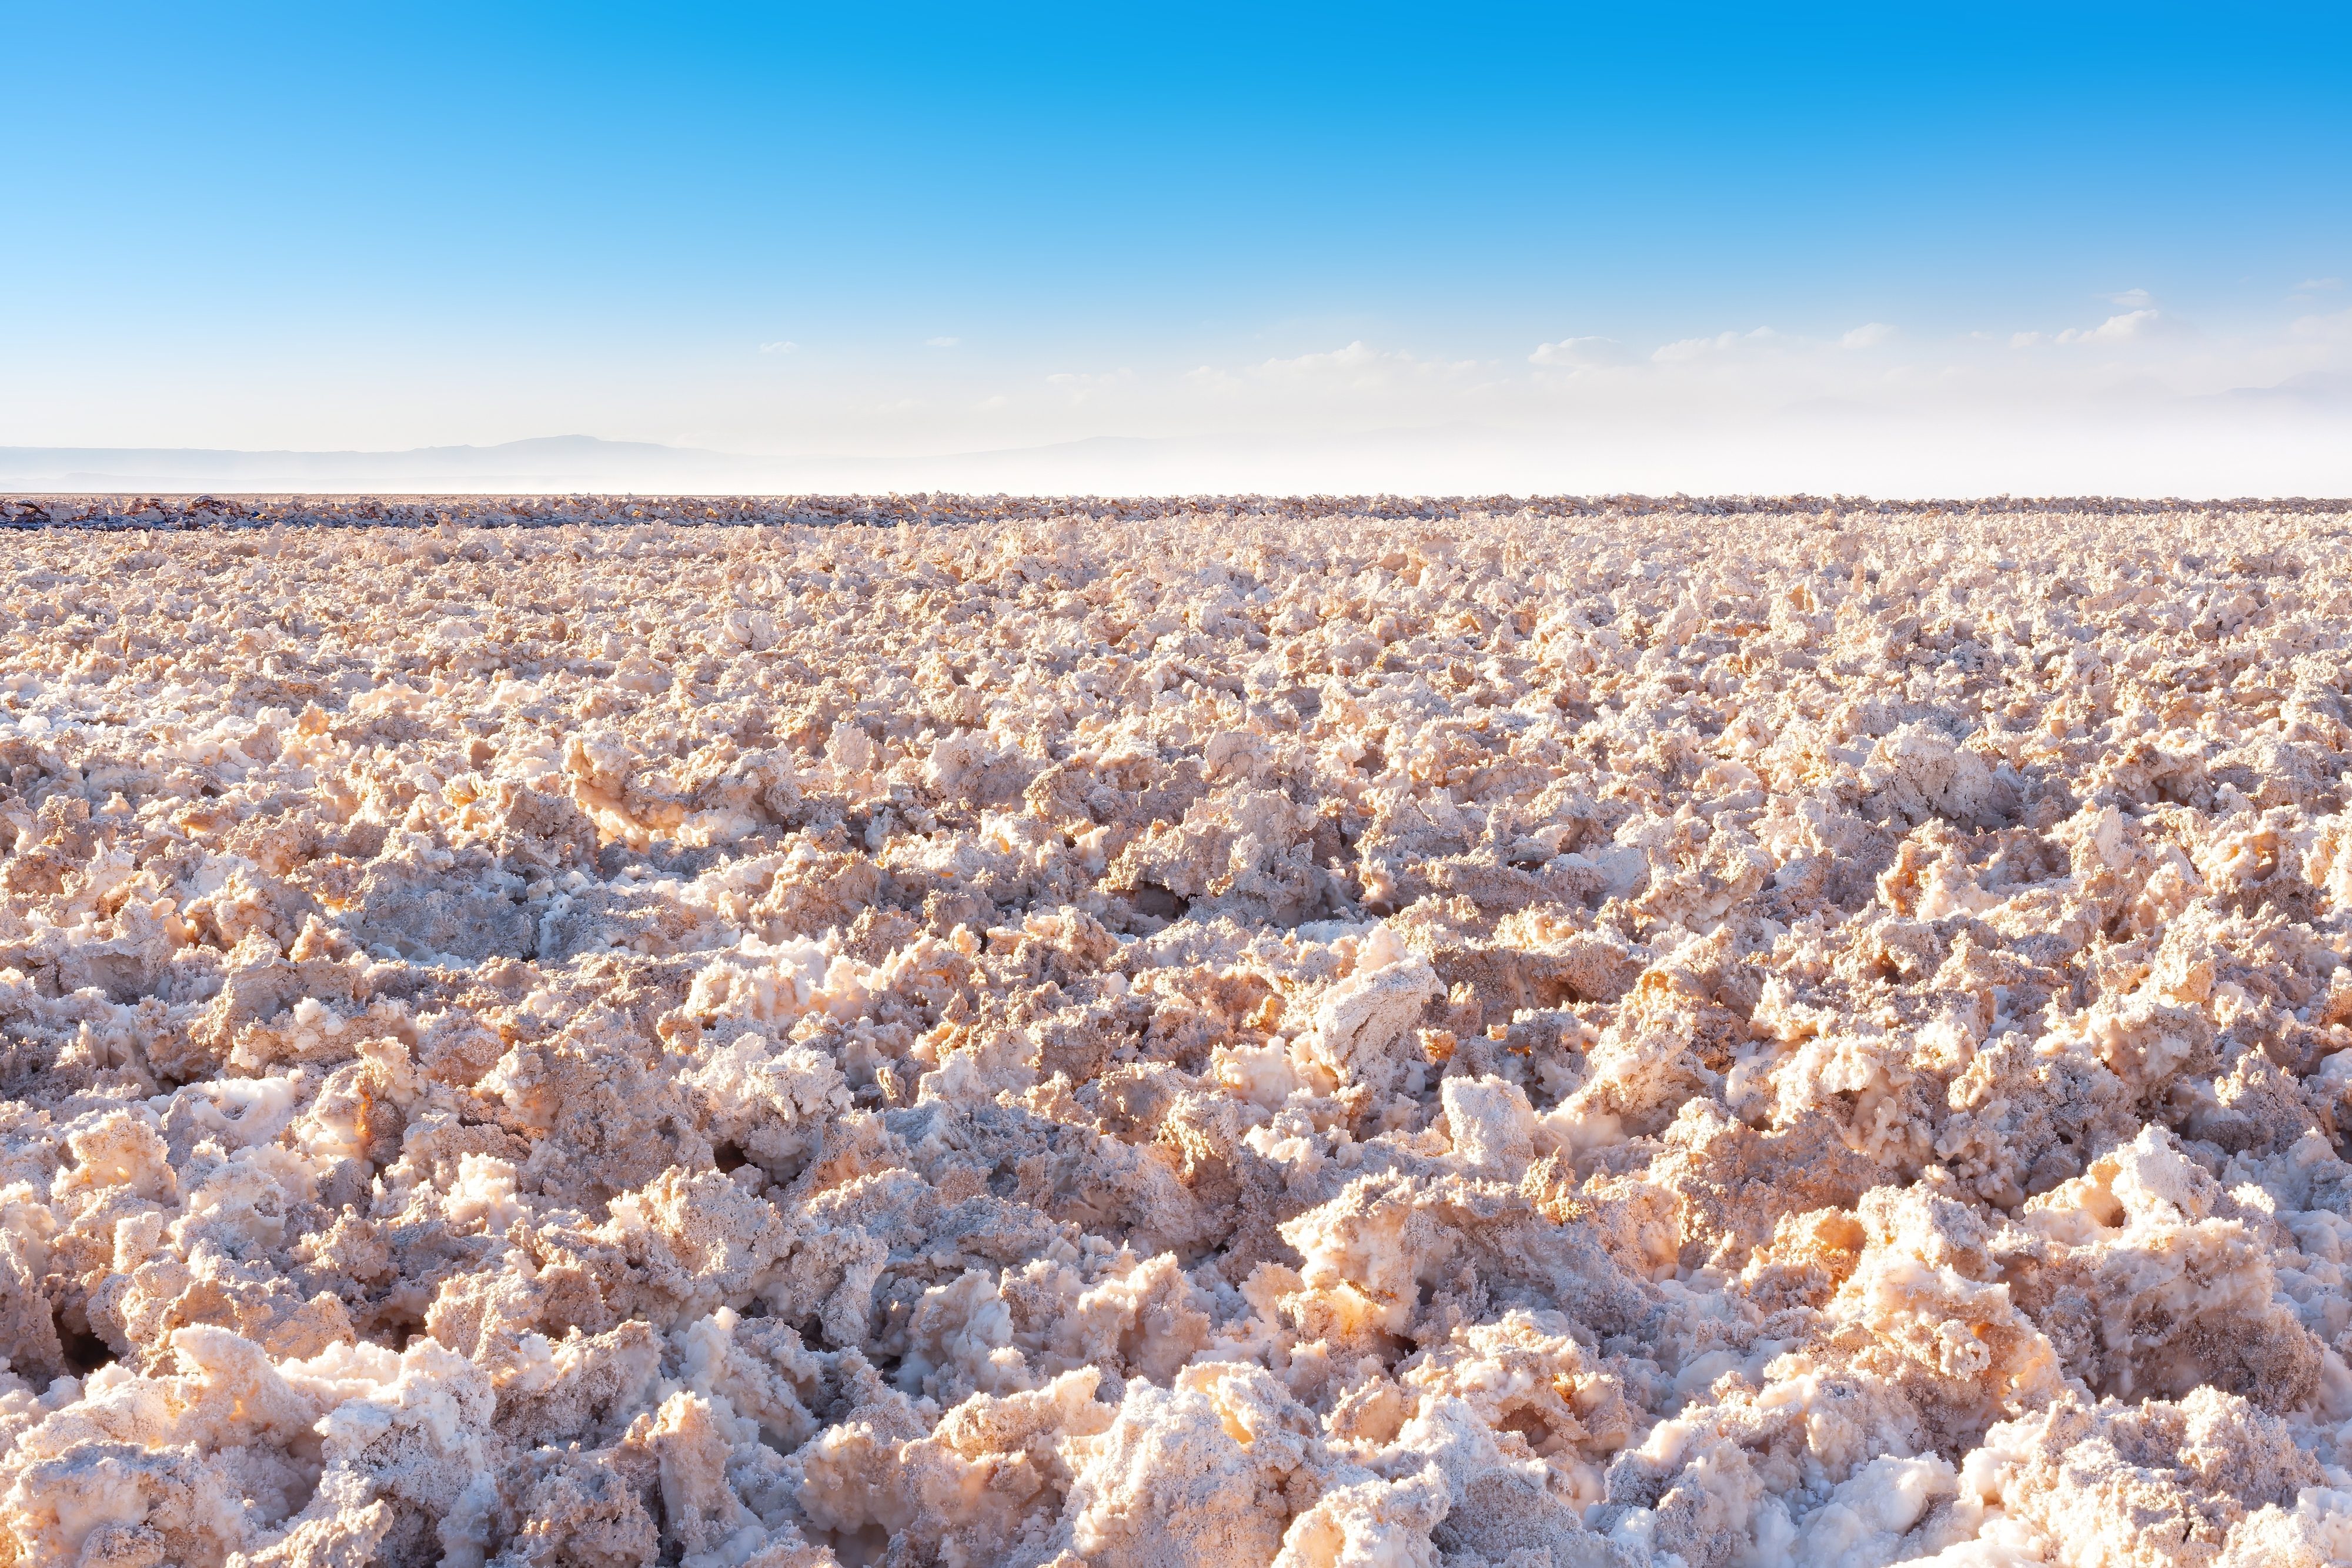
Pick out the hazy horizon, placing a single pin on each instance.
(2148, 462)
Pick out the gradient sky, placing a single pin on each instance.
(912, 229)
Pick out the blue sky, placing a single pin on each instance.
(915, 229)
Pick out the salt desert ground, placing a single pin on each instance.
(751, 1034)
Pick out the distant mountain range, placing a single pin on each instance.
(549, 463)
(564, 463)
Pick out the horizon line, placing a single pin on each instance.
(17, 505)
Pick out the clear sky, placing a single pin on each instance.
(1609, 246)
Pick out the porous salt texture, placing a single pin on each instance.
(1238, 1032)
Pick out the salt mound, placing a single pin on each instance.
(1240, 1033)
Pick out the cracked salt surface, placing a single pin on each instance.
(1238, 1031)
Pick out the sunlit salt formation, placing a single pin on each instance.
(1318, 1033)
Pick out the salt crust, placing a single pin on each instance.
(1305, 1033)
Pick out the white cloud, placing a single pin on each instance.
(2316, 283)
(1870, 335)
(941, 342)
(779, 346)
(1358, 368)
(2131, 299)
(1582, 353)
(2132, 327)
(2023, 339)
(1357, 358)
(1687, 349)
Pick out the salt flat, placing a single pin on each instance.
(964, 1031)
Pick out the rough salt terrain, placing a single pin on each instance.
(962, 1032)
